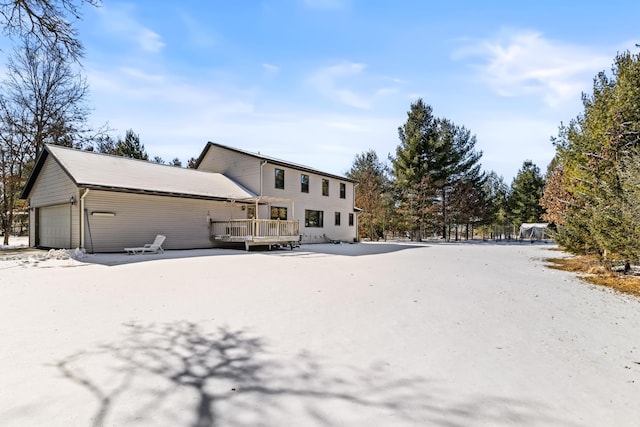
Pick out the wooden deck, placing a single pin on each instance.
(254, 232)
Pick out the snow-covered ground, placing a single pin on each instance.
(14, 242)
(377, 334)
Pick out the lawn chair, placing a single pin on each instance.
(154, 247)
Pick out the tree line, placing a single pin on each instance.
(592, 190)
(434, 186)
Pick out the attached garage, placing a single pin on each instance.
(104, 203)
(54, 226)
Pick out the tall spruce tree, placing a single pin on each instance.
(412, 164)
(526, 191)
(435, 153)
(456, 161)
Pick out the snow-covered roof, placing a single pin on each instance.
(102, 171)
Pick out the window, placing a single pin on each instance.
(343, 190)
(325, 187)
(278, 213)
(280, 178)
(251, 212)
(337, 218)
(351, 220)
(304, 183)
(313, 218)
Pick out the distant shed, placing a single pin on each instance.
(534, 231)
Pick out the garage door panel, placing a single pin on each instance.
(54, 226)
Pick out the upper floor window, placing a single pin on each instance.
(280, 178)
(325, 187)
(304, 183)
(343, 190)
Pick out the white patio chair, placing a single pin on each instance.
(154, 247)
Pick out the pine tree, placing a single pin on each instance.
(596, 152)
(441, 152)
(131, 147)
(372, 194)
(526, 191)
(411, 165)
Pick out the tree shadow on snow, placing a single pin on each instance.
(179, 374)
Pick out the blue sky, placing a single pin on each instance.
(318, 81)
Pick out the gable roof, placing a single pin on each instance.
(271, 160)
(107, 172)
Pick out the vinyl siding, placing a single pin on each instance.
(245, 169)
(53, 187)
(139, 218)
(241, 168)
(313, 200)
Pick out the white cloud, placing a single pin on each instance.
(119, 20)
(270, 69)
(175, 118)
(139, 74)
(149, 40)
(520, 63)
(332, 82)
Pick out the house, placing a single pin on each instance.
(323, 203)
(104, 203)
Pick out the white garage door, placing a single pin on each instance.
(54, 227)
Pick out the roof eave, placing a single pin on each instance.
(273, 161)
(160, 193)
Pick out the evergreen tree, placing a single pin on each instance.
(526, 191)
(412, 163)
(372, 194)
(497, 214)
(596, 153)
(131, 147)
(456, 161)
(439, 151)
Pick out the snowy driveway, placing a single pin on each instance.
(350, 335)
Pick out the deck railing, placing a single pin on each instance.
(255, 230)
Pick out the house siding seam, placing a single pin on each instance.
(131, 225)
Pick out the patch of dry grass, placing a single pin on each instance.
(595, 271)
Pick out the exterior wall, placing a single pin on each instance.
(53, 187)
(237, 166)
(245, 169)
(139, 218)
(313, 200)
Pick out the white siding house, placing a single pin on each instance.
(323, 203)
(105, 203)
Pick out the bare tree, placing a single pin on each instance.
(48, 21)
(42, 100)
